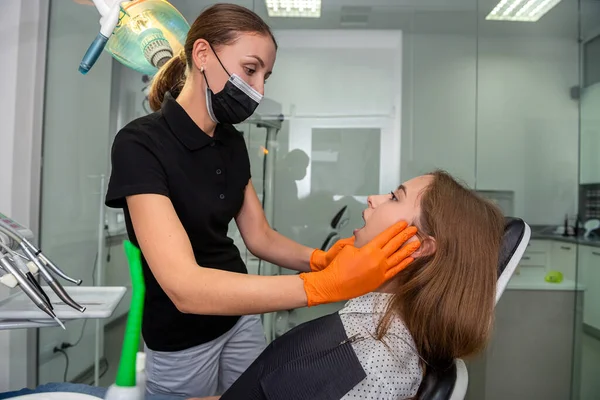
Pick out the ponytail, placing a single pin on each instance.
(169, 78)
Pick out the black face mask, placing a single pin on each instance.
(235, 103)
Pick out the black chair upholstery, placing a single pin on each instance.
(438, 385)
(441, 384)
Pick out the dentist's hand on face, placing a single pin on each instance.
(355, 272)
(319, 259)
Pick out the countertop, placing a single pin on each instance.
(545, 232)
(519, 282)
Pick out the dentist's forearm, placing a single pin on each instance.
(279, 250)
(209, 291)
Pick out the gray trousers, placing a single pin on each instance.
(208, 369)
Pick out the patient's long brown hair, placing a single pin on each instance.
(446, 299)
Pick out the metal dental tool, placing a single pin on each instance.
(33, 253)
(45, 260)
(54, 268)
(30, 277)
(28, 288)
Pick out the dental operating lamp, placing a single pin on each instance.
(141, 34)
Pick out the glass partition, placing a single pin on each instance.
(492, 102)
(75, 163)
(587, 328)
(527, 145)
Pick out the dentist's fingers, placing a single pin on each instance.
(384, 237)
(403, 253)
(395, 270)
(396, 242)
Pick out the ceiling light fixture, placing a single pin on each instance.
(521, 10)
(294, 8)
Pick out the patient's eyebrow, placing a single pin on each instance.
(402, 188)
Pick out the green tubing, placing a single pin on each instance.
(131, 342)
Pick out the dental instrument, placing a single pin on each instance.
(25, 272)
(141, 34)
(33, 253)
(7, 279)
(30, 290)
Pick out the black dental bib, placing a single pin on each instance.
(313, 361)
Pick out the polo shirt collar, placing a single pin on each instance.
(185, 129)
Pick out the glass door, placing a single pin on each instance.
(326, 169)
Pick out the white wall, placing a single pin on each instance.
(496, 113)
(439, 102)
(22, 50)
(528, 125)
(337, 73)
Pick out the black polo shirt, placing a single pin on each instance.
(166, 153)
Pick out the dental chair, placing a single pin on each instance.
(452, 383)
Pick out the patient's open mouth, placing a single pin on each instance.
(364, 223)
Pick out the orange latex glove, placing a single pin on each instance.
(355, 272)
(319, 259)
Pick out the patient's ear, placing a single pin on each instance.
(427, 248)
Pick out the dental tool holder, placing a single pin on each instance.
(17, 311)
(44, 305)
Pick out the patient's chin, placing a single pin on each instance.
(358, 242)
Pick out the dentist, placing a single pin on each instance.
(181, 175)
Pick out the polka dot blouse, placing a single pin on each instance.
(392, 364)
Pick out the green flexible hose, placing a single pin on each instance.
(131, 342)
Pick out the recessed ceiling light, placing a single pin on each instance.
(294, 8)
(521, 10)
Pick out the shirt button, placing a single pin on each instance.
(212, 144)
(221, 196)
(218, 172)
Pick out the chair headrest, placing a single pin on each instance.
(514, 243)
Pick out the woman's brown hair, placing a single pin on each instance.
(219, 25)
(446, 299)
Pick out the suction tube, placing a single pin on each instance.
(126, 386)
(126, 375)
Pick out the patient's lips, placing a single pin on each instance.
(365, 222)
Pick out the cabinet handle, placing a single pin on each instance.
(565, 247)
(529, 258)
(595, 253)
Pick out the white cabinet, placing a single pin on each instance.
(563, 258)
(543, 256)
(535, 260)
(589, 276)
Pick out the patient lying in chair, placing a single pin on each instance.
(439, 308)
